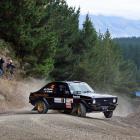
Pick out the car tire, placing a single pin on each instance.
(41, 107)
(108, 114)
(81, 110)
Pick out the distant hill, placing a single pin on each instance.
(118, 26)
(128, 42)
(130, 49)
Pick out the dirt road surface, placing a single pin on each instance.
(27, 125)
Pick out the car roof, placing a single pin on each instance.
(68, 82)
(65, 82)
(73, 81)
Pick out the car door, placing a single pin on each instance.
(64, 99)
(68, 98)
(59, 100)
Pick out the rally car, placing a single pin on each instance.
(72, 97)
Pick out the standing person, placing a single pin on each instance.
(10, 69)
(1, 66)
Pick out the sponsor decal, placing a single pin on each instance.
(76, 97)
(69, 100)
(58, 100)
(68, 103)
(48, 90)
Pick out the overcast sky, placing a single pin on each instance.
(125, 8)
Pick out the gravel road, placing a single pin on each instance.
(26, 125)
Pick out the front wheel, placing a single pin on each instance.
(81, 110)
(108, 114)
(41, 107)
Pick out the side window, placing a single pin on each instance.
(62, 89)
(51, 88)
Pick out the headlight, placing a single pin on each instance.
(94, 101)
(114, 100)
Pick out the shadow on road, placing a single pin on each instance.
(27, 112)
(24, 113)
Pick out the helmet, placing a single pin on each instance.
(11, 61)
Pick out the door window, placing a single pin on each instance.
(61, 89)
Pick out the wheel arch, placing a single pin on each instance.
(46, 102)
(41, 99)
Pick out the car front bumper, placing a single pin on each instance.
(102, 108)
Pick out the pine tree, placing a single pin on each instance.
(23, 24)
(66, 26)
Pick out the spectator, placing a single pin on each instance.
(10, 69)
(1, 66)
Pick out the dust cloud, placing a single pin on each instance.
(15, 94)
(126, 104)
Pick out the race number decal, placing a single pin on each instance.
(68, 103)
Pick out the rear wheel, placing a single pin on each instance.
(108, 114)
(41, 107)
(81, 110)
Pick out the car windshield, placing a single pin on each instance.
(80, 87)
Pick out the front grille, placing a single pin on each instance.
(104, 101)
